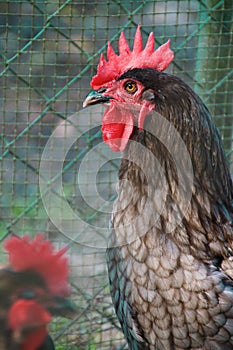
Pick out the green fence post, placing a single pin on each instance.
(214, 64)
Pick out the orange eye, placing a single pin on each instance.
(130, 86)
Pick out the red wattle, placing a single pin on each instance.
(117, 127)
(34, 339)
(28, 315)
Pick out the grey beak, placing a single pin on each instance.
(95, 97)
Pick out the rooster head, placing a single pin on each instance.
(34, 286)
(118, 83)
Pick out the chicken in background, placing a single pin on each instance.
(33, 287)
(170, 259)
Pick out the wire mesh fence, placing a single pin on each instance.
(48, 53)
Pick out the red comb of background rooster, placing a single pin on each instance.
(38, 255)
(138, 58)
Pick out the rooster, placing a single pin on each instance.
(33, 286)
(170, 259)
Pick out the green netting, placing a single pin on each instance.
(48, 54)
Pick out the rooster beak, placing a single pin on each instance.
(95, 97)
(62, 307)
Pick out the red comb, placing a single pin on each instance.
(38, 255)
(138, 58)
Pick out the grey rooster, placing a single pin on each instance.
(170, 252)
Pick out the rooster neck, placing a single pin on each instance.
(177, 106)
(148, 191)
(151, 194)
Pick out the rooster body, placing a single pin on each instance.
(171, 265)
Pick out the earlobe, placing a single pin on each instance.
(148, 95)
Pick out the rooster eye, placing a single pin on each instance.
(130, 86)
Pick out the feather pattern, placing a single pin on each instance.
(176, 284)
